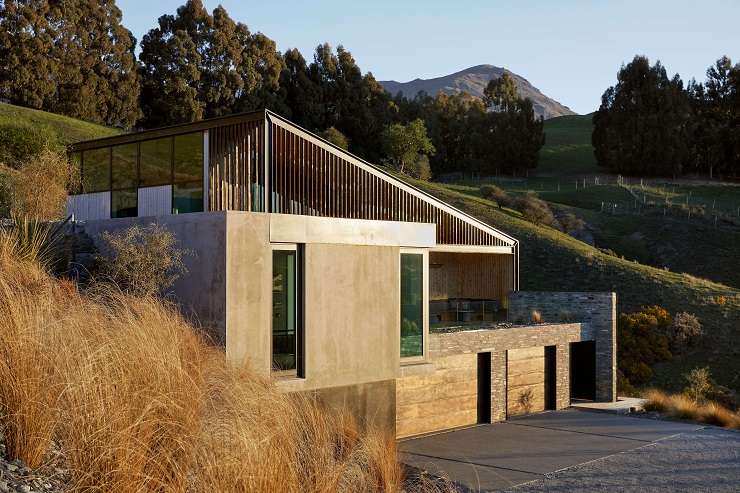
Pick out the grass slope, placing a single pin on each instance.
(551, 260)
(567, 148)
(67, 130)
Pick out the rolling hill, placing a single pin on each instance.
(473, 81)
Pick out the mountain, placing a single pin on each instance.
(473, 81)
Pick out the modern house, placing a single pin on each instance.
(331, 275)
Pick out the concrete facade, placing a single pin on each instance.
(597, 312)
(351, 320)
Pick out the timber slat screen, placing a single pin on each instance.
(310, 178)
(236, 165)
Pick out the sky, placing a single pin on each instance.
(571, 50)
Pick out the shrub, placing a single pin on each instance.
(143, 261)
(535, 210)
(419, 168)
(20, 142)
(642, 342)
(6, 189)
(536, 317)
(700, 384)
(685, 330)
(572, 223)
(525, 400)
(335, 137)
(496, 194)
(684, 407)
(39, 189)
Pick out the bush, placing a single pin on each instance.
(142, 261)
(335, 137)
(535, 210)
(20, 142)
(6, 190)
(699, 384)
(642, 342)
(685, 330)
(420, 168)
(683, 407)
(496, 194)
(572, 223)
(40, 188)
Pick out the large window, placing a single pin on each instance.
(187, 194)
(286, 319)
(124, 166)
(155, 162)
(412, 304)
(123, 203)
(96, 170)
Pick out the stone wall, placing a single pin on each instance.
(597, 312)
(443, 393)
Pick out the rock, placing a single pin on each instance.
(4, 486)
(24, 488)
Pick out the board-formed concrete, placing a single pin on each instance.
(498, 456)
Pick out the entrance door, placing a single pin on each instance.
(484, 387)
(583, 370)
(550, 379)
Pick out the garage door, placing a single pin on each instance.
(525, 381)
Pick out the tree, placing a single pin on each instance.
(501, 93)
(642, 125)
(404, 143)
(73, 58)
(335, 137)
(642, 342)
(196, 65)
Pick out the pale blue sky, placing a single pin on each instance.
(571, 50)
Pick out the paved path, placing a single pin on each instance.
(583, 451)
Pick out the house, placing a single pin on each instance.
(330, 275)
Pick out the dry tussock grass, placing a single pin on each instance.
(136, 401)
(684, 407)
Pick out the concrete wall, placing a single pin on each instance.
(598, 313)
(201, 292)
(351, 297)
(442, 393)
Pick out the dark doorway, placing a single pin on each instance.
(484, 387)
(550, 380)
(583, 370)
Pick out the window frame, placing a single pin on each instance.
(299, 371)
(423, 358)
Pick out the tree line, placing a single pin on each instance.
(77, 58)
(651, 124)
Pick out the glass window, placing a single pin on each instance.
(187, 197)
(123, 203)
(412, 304)
(285, 343)
(155, 162)
(75, 184)
(96, 170)
(189, 157)
(124, 166)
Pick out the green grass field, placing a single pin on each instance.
(66, 130)
(567, 149)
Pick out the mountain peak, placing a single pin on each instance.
(473, 81)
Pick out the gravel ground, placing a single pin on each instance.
(707, 460)
(15, 476)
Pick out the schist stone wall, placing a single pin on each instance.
(597, 312)
(443, 393)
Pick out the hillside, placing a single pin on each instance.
(65, 130)
(473, 81)
(568, 148)
(553, 261)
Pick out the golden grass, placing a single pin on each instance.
(135, 400)
(683, 407)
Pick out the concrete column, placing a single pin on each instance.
(498, 385)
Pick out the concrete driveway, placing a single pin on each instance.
(532, 448)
